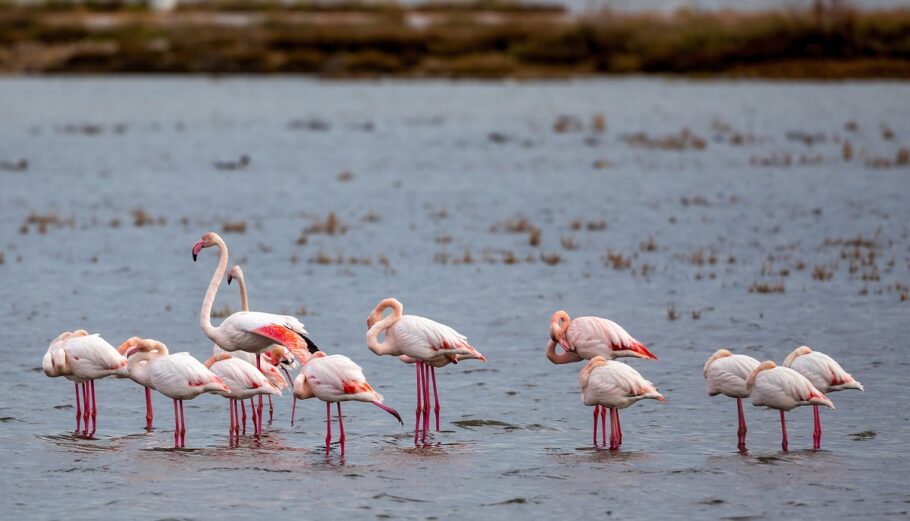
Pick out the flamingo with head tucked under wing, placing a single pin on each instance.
(726, 374)
(427, 342)
(244, 381)
(825, 374)
(336, 378)
(249, 331)
(583, 338)
(783, 389)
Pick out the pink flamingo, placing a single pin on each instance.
(825, 374)
(179, 377)
(249, 331)
(429, 343)
(336, 378)
(783, 389)
(726, 374)
(269, 369)
(586, 337)
(613, 385)
(84, 358)
(243, 380)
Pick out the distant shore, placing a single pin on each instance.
(481, 40)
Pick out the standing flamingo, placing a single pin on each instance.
(248, 331)
(613, 385)
(84, 358)
(783, 389)
(336, 378)
(429, 343)
(726, 374)
(179, 377)
(825, 374)
(244, 381)
(586, 337)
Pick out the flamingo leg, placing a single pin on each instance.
(741, 432)
(603, 425)
(417, 414)
(270, 409)
(149, 413)
(435, 395)
(340, 428)
(236, 419)
(182, 426)
(613, 445)
(94, 408)
(255, 417)
(293, 410)
(426, 400)
(259, 368)
(596, 414)
(78, 410)
(783, 430)
(328, 426)
(86, 409)
(817, 438)
(618, 429)
(243, 408)
(176, 425)
(231, 415)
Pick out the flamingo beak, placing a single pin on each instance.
(197, 248)
(565, 345)
(389, 410)
(131, 351)
(229, 276)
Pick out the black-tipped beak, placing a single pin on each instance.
(229, 279)
(311, 347)
(194, 257)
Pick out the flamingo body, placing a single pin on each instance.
(181, 377)
(821, 370)
(727, 374)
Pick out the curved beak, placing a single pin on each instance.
(229, 277)
(389, 410)
(565, 345)
(131, 351)
(196, 249)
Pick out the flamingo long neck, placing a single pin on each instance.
(205, 315)
(244, 303)
(385, 347)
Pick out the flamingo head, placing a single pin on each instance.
(559, 325)
(145, 345)
(235, 273)
(387, 303)
(207, 240)
(130, 343)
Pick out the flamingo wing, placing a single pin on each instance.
(91, 356)
(824, 372)
(338, 378)
(432, 338)
(728, 375)
(593, 336)
(281, 329)
(183, 377)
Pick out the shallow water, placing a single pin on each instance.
(436, 169)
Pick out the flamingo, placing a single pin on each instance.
(825, 374)
(584, 338)
(178, 376)
(783, 389)
(726, 374)
(248, 331)
(140, 377)
(84, 358)
(429, 343)
(336, 378)
(243, 380)
(269, 369)
(607, 384)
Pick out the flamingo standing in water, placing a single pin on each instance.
(825, 374)
(249, 331)
(244, 381)
(429, 343)
(613, 385)
(269, 369)
(179, 377)
(336, 378)
(726, 374)
(584, 338)
(84, 358)
(783, 389)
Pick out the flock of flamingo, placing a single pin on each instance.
(252, 349)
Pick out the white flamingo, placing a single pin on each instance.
(783, 389)
(726, 374)
(427, 342)
(583, 338)
(243, 380)
(825, 374)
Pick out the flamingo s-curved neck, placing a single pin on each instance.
(205, 314)
(244, 303)
(385, 347)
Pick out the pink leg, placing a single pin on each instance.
(237, 418)
(613, 445)
(783, 430)
(176, 425)
(259, 412)
(426, 400)
(328, 426)
(78, 410)
(596, 414)
(270, 409)
(435, 395)
(231, 415)
(618, 429)
(341, 428)
(817, 438)
(255, 417)
(243, 408)
(419, 411)
(94, 408)
(741, 432)
(603, 425)
(293, 410)
(149, 414)
(182, 426)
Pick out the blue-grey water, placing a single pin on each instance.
(427, 178)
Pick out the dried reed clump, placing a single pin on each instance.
(851, 126)
(696, 314)
(766, 287)
(902, 158)
(534, 237)
(443, 239)
(344, 176)
(684, 140)
(699, 257)
(601, 164)
(240, 164)
(846, 151)
(648, 245)
(445, 257)
(822, 273)
(142, 218)
(233, 226)
(568, 243)
(672, 314)
(332, 225)
(42, 222)
(617, 260)
(565, 123)
(519, 224)
(222, 312)
(2, 257)
(371, 217)
(598, 123)
(551, 259)
(697, 200)
(887, 133)
(14, 166)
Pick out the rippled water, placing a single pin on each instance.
(435, 170)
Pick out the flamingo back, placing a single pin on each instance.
(824, 372)
(425, 339)
(615, 384)
(91, 357)
(727, 375)
(596, 336)
(182, 377)
(242, 379)
(783, 388)
(337, 378)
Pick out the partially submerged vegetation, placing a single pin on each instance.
(454, 40)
